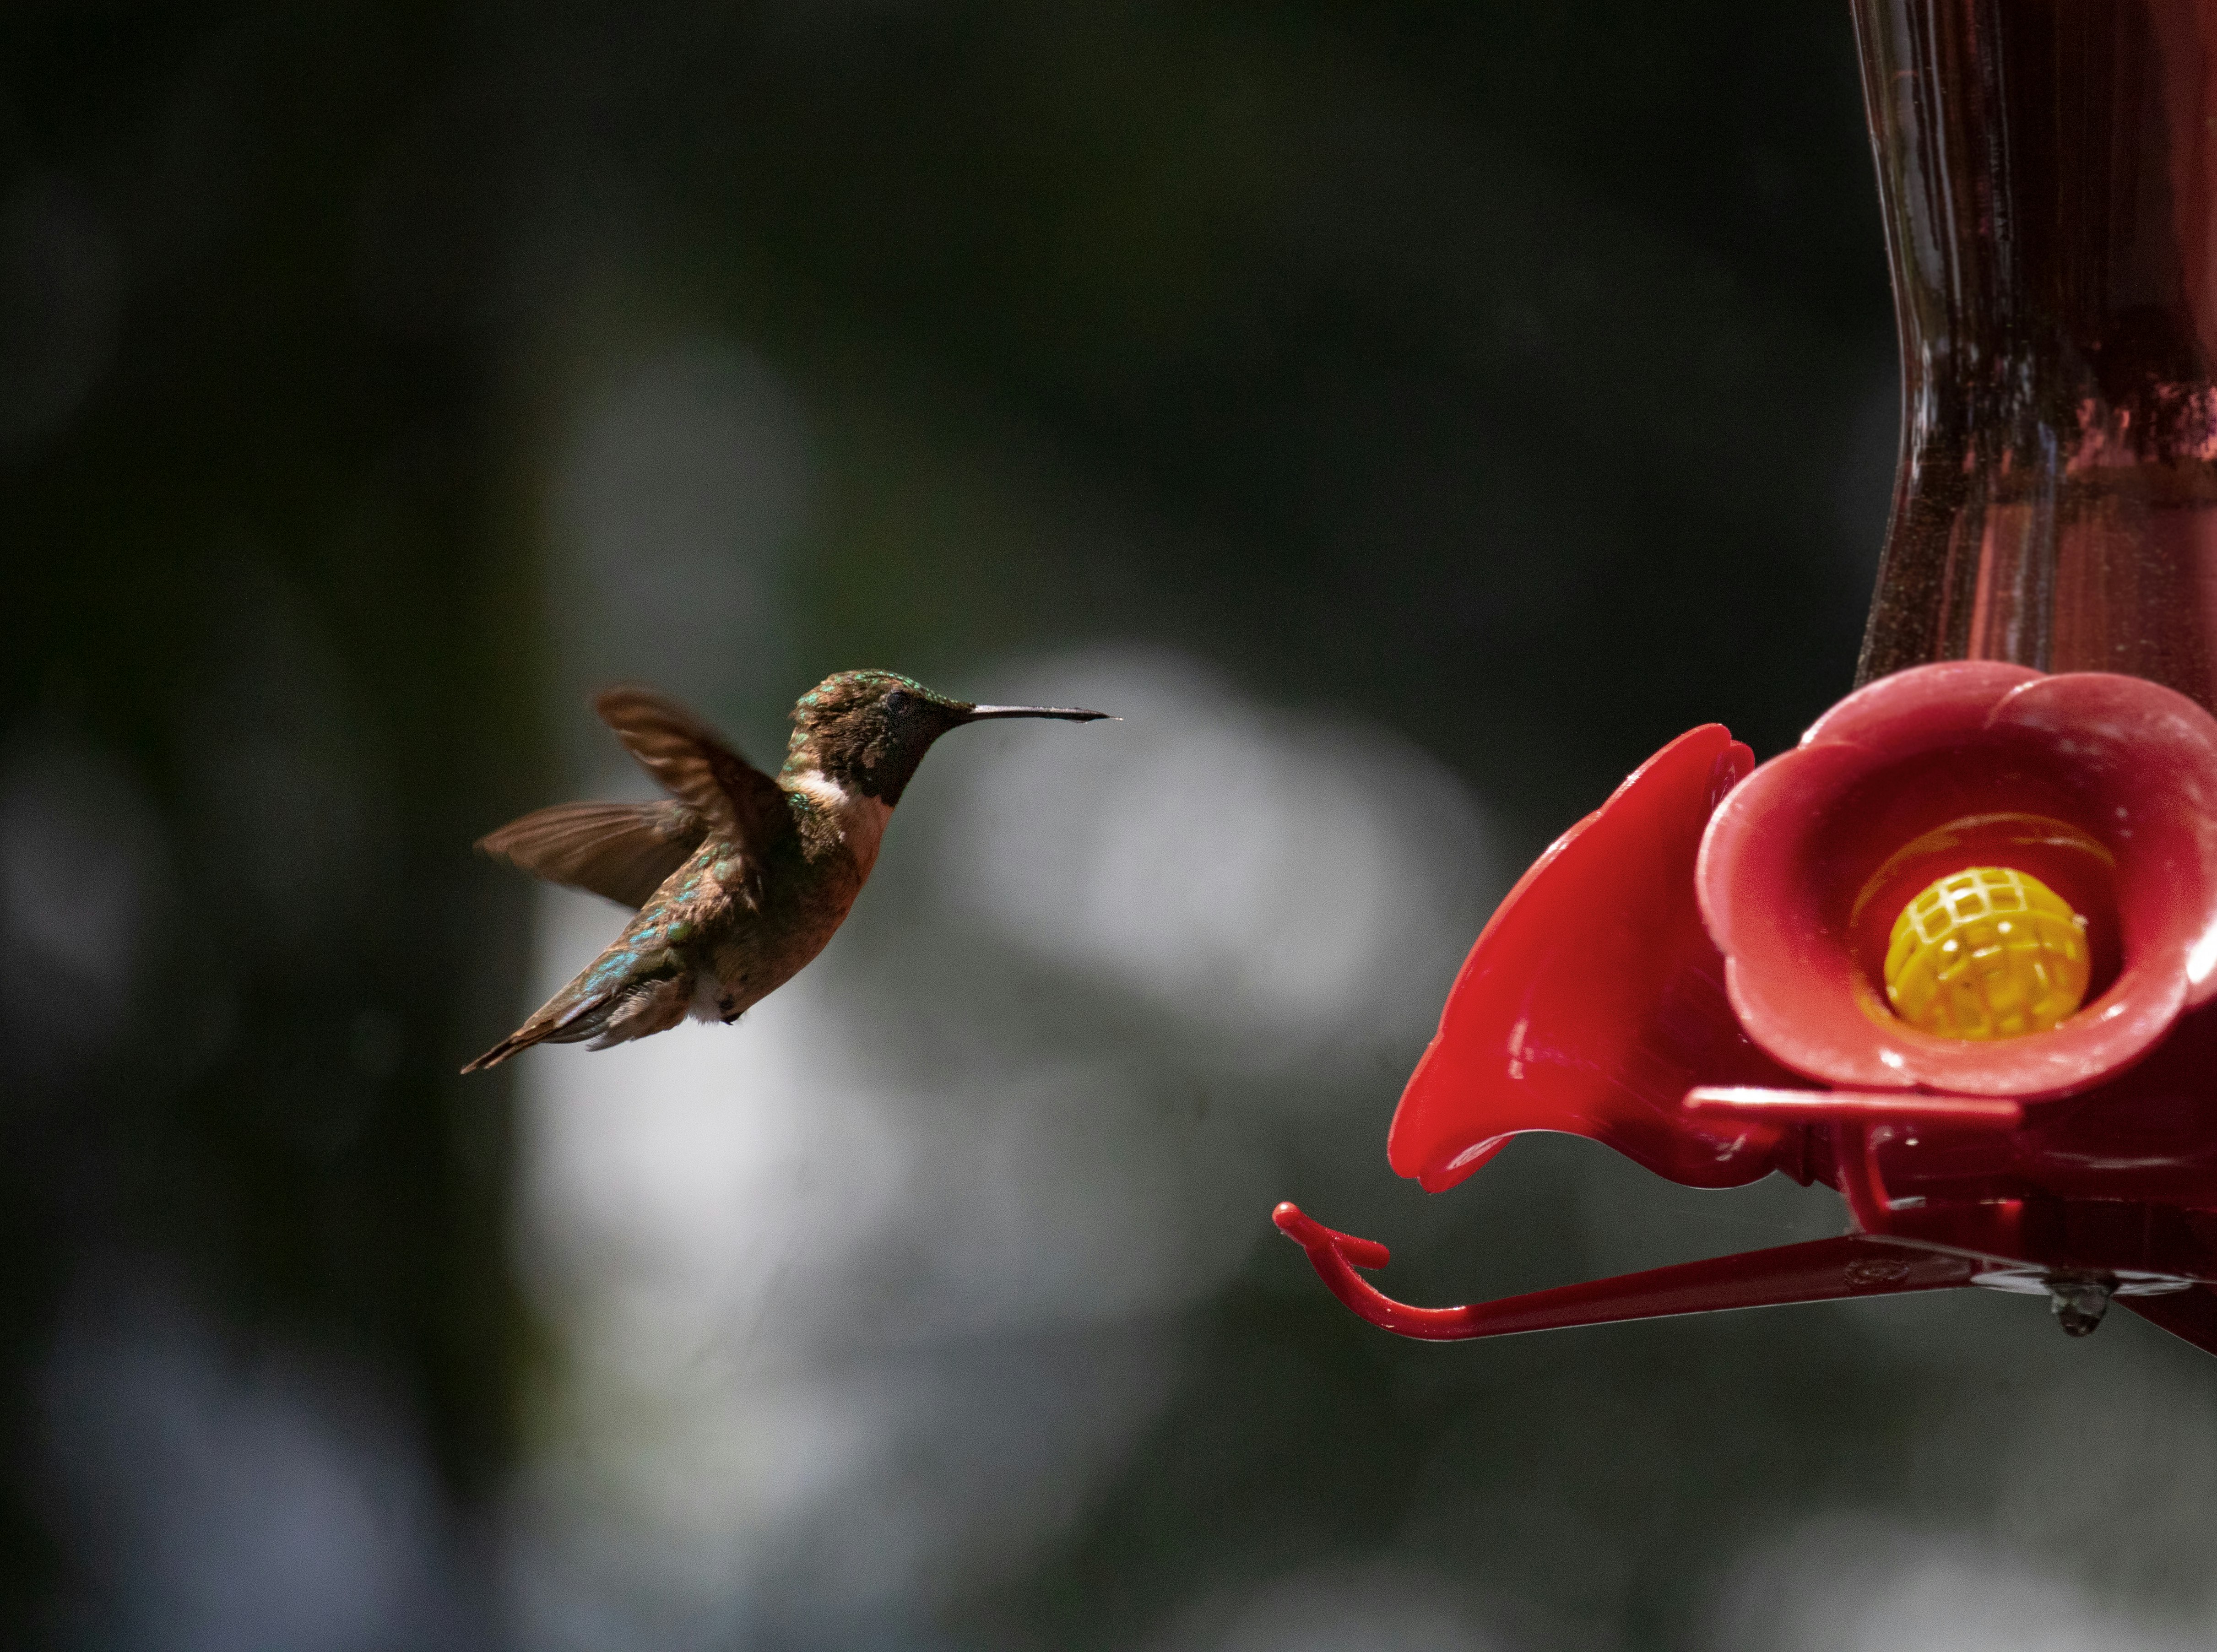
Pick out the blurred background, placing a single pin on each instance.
(1407, 415)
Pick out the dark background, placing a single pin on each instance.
(1461, 400)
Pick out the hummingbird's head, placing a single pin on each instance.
(866, 732)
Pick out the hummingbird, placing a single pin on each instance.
(739, 878)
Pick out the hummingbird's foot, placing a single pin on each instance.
(714, 1003)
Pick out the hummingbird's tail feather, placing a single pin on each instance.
(560, 1022)
(522, 1039)
(603, 1005)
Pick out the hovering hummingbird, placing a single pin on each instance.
(739, 878)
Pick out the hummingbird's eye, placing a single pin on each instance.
(897, 700)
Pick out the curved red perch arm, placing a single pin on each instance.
(1822, 1270)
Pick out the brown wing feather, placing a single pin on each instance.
(621, 850)
(698, 768)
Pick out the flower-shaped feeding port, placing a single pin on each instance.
(1950, 955)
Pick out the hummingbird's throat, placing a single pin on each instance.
(857, 819)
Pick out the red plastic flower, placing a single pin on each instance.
(2104, 788)
(1593, 1000)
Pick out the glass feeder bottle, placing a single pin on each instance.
(2047, 171)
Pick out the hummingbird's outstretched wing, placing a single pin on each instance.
(621, 850)
(696, 765)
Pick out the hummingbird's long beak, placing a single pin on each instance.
(1067, 713)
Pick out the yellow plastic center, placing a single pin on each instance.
(1988, 952)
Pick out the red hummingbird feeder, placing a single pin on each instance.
(1956, 954)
